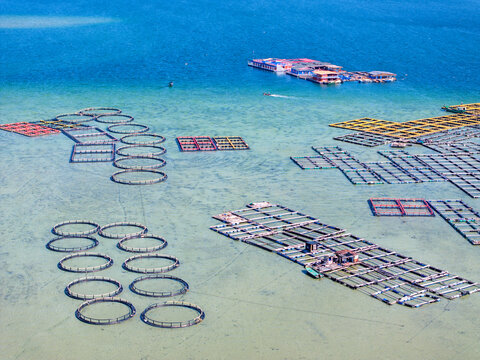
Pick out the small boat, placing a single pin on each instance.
(313, 273)
(453, 110)
(267, 94)
(398, 144)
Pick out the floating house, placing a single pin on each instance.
(325, 77)
(271, 64)
(319, 71)
(301, 72)
(382, 76)
(304, 68)
(331, 67)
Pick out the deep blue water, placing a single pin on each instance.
(207, 43)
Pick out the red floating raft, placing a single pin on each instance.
(400, 207)
(196, 143)
(28, 129)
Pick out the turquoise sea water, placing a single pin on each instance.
(57, 57)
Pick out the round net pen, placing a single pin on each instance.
(102, 232)
(122, 163)
(114, 119)
(122, 244)
(75, 295)
(159, 177)
(53, 244)
(135, 128)
(59, 229)
(108, 321)
(148, 139)
(173, 324)
(76, 118)
(135, 150)
(128, 266)
(65, 267)
(137, 290)
(97, 111)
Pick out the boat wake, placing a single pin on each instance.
(282, 96)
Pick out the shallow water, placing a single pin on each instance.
(258, 305)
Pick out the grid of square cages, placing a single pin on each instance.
(455, 210)
(384, 274)
(274, 217)
(469, 230)
(251, 223)
(396, 291)
(425, 174)
(363, 177)
(89, 152)
(414, 167)
(326, 247)
(350, 163)
(465, 147)
(448, 121)
(391, 154)
(312, 162)
(461, 217)
(451, 164)
(468, 183)
(334, 150)
(339, 158)
(400, 207)
(292, 241)
(230, 143)
(89, 135)
(451, 136)
(379, 274)
(363, 124)
(391, 173)
(365, 139)
(409, 129)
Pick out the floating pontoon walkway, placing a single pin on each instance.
(325, 250)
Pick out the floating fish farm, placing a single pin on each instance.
(328, 251)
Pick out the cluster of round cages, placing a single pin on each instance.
(146, 252)
(141, 158)
(83, 239)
